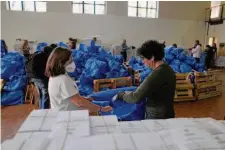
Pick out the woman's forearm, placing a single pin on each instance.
(90, 106)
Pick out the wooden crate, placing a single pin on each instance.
(207, 85)
(184, 88)
(112, 83)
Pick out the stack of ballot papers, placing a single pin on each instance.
(69, 130)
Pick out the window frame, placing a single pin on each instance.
(83, 3)
(146, 8)
(22, 6)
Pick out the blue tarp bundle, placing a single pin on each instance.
(180, 62)
(123, 110)
(40, 46)
(14, 73)
(94, 62)
(62, 44)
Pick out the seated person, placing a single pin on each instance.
(62, 89)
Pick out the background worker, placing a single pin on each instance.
(196, 51)
(158, 87)
(124, 50)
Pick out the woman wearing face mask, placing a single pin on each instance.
(158, 88)
(62, 89)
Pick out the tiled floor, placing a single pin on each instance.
(13, 116)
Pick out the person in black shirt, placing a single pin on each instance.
(38, 76)
(159, 87)
(53, 46)
(124, 50)
(214, 47)
(209, 56)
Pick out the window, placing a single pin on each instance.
(38, 6)
(89, 7)
(215, 9)
(144, 9)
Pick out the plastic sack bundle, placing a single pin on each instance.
(168, 50)
(62, 44)
(12, 98)
(176, 51)
(199, 67)
(181, 56)
(119, 58)
(123, 110)
(16, 83)
(202, 58)
(40, 46)
(175, 68)
(190, 60)
(145, 74)
(185, 68)
(96, 68)
(13, 72)
(169, 58)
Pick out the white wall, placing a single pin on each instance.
(59, 23)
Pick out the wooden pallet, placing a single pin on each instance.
(112, 83)
(184, 88)
(207, 85)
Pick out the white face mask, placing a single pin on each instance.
(70, 67)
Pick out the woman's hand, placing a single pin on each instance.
(106, 109)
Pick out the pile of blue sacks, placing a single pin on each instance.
(94, 62)
(123, 110)
(138, 65)
(14, 73)
(180, 62)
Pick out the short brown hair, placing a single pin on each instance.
(56, 62)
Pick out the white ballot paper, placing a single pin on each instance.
(167, 140)
(32, 124)
(132, 127)
(220, 138)
(155, 125)
(148, 141)
(123, 142)
(193, 138)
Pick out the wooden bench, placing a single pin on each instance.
(112, 83)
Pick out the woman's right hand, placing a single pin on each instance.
(106, 109)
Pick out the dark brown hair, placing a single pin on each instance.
(56, 62)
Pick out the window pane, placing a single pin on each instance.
(142, 4)
(152, 4)
(100, 2)
(99, 9)
(89, 2)
(41, 6)
(77, 1)
(16, 5)
(132, 12)
(132, 3)
(141, 12)
(151, 13)
(88, 9)
(78, 8)
(28, 5)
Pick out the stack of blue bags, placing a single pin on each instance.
(180, 62)
(138, 65)
(14, 74)
(94, 62)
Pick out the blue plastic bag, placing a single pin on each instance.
(185, 68)
(190, 60)
(12, 98)
(40, 46)
(169, 58)
(16, 83)
(123, 110)
(62, 44)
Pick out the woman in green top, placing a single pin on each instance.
(158, 88)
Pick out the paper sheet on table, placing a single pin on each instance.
(32, 124)
(193, 138)
(132, 127)
(155, 125)
(146, 141)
